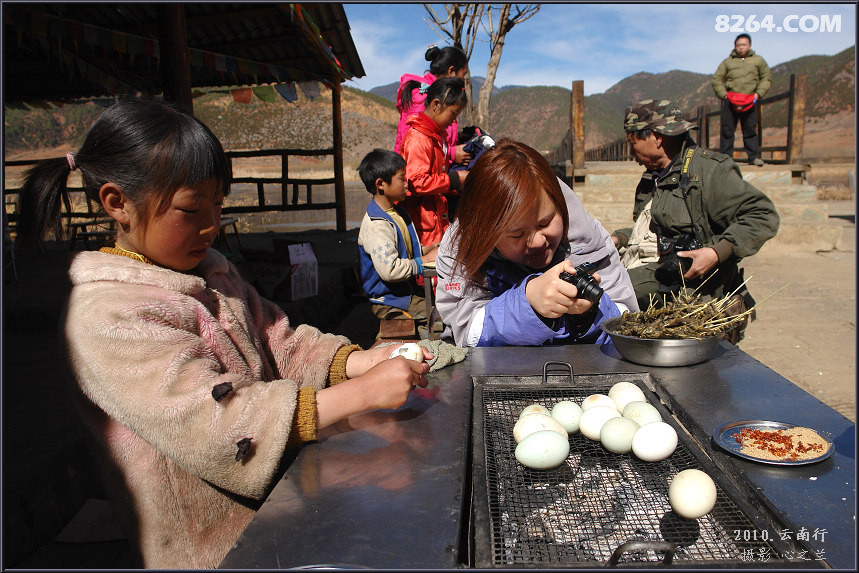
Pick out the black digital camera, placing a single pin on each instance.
(671, 266)
(588, 287)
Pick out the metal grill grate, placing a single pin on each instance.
(597, 500)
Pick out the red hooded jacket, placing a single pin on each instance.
(427, 177)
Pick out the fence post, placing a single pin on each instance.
(704, 127)
(796, 117)
(577, 125)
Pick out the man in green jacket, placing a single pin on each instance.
(706, 217)
(745, 78)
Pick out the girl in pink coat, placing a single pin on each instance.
(411, 96)
(191, 384)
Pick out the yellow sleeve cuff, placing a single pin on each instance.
(337, 371)
(304, 421)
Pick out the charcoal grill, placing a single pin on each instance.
(601, 508)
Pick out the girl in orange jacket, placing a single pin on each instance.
(425, 150)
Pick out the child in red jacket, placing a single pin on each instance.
(425, 151)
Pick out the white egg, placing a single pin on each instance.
(654, 441)
(616, 434)
(597, 400)
(409, 350)
(531, 423)
(692, 494)
(642, 412)
(534, 409)
(625, 392)
(593, 419)
(543, 450)
(568, 413)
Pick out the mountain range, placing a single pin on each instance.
(538, 116)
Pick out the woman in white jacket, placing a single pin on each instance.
(499, 263)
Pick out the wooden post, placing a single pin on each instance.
(796, 117)
(173, 43)
(339, 184)
(577, 125)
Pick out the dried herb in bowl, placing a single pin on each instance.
(687, 315)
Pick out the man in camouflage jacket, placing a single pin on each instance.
(702, 209)
(742, 72)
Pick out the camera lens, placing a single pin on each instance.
(587, 286)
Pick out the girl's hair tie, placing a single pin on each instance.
(70, 159)
(423, 89)
(433, 45)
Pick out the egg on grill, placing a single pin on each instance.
(692, 494)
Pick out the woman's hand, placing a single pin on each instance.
(552, 297)
(384, 386)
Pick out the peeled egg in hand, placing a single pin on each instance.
(625, 392)
(692, 494)
(593, 419)
(642, 412)
(654, 442)
(534, 409)
(597, 400)
(543, 450)
(409, 350)
(616, 434)
(568, 413)
(531, 423)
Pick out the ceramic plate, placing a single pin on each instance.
(724, 439)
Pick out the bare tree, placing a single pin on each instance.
(459, 17)
(497, 20)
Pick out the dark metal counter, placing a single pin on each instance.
(390, 489)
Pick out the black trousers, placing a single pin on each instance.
(748, 120)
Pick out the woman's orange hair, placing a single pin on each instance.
(505, 183)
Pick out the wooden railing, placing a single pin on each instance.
(288, 201)
(296, 194)
(571, 153)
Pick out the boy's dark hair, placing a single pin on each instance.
(380, 163)
(744, 35)
(449, 91)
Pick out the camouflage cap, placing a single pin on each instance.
(659, 115)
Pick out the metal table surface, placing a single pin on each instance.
(389, 489)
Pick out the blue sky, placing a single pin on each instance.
(603, 43)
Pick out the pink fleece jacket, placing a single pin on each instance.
(418, 105)
(147, 348)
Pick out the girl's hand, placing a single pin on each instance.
(430, 247)
(461, 156)
(384, 386)
(360, 361)
(552, 297)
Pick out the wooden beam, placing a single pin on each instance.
(339, 184)
(175, 67)
(578, 124)
(796, 117)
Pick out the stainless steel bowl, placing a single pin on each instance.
(660, 351)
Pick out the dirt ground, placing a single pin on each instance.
(807, 332)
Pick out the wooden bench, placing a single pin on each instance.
(222, 233)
